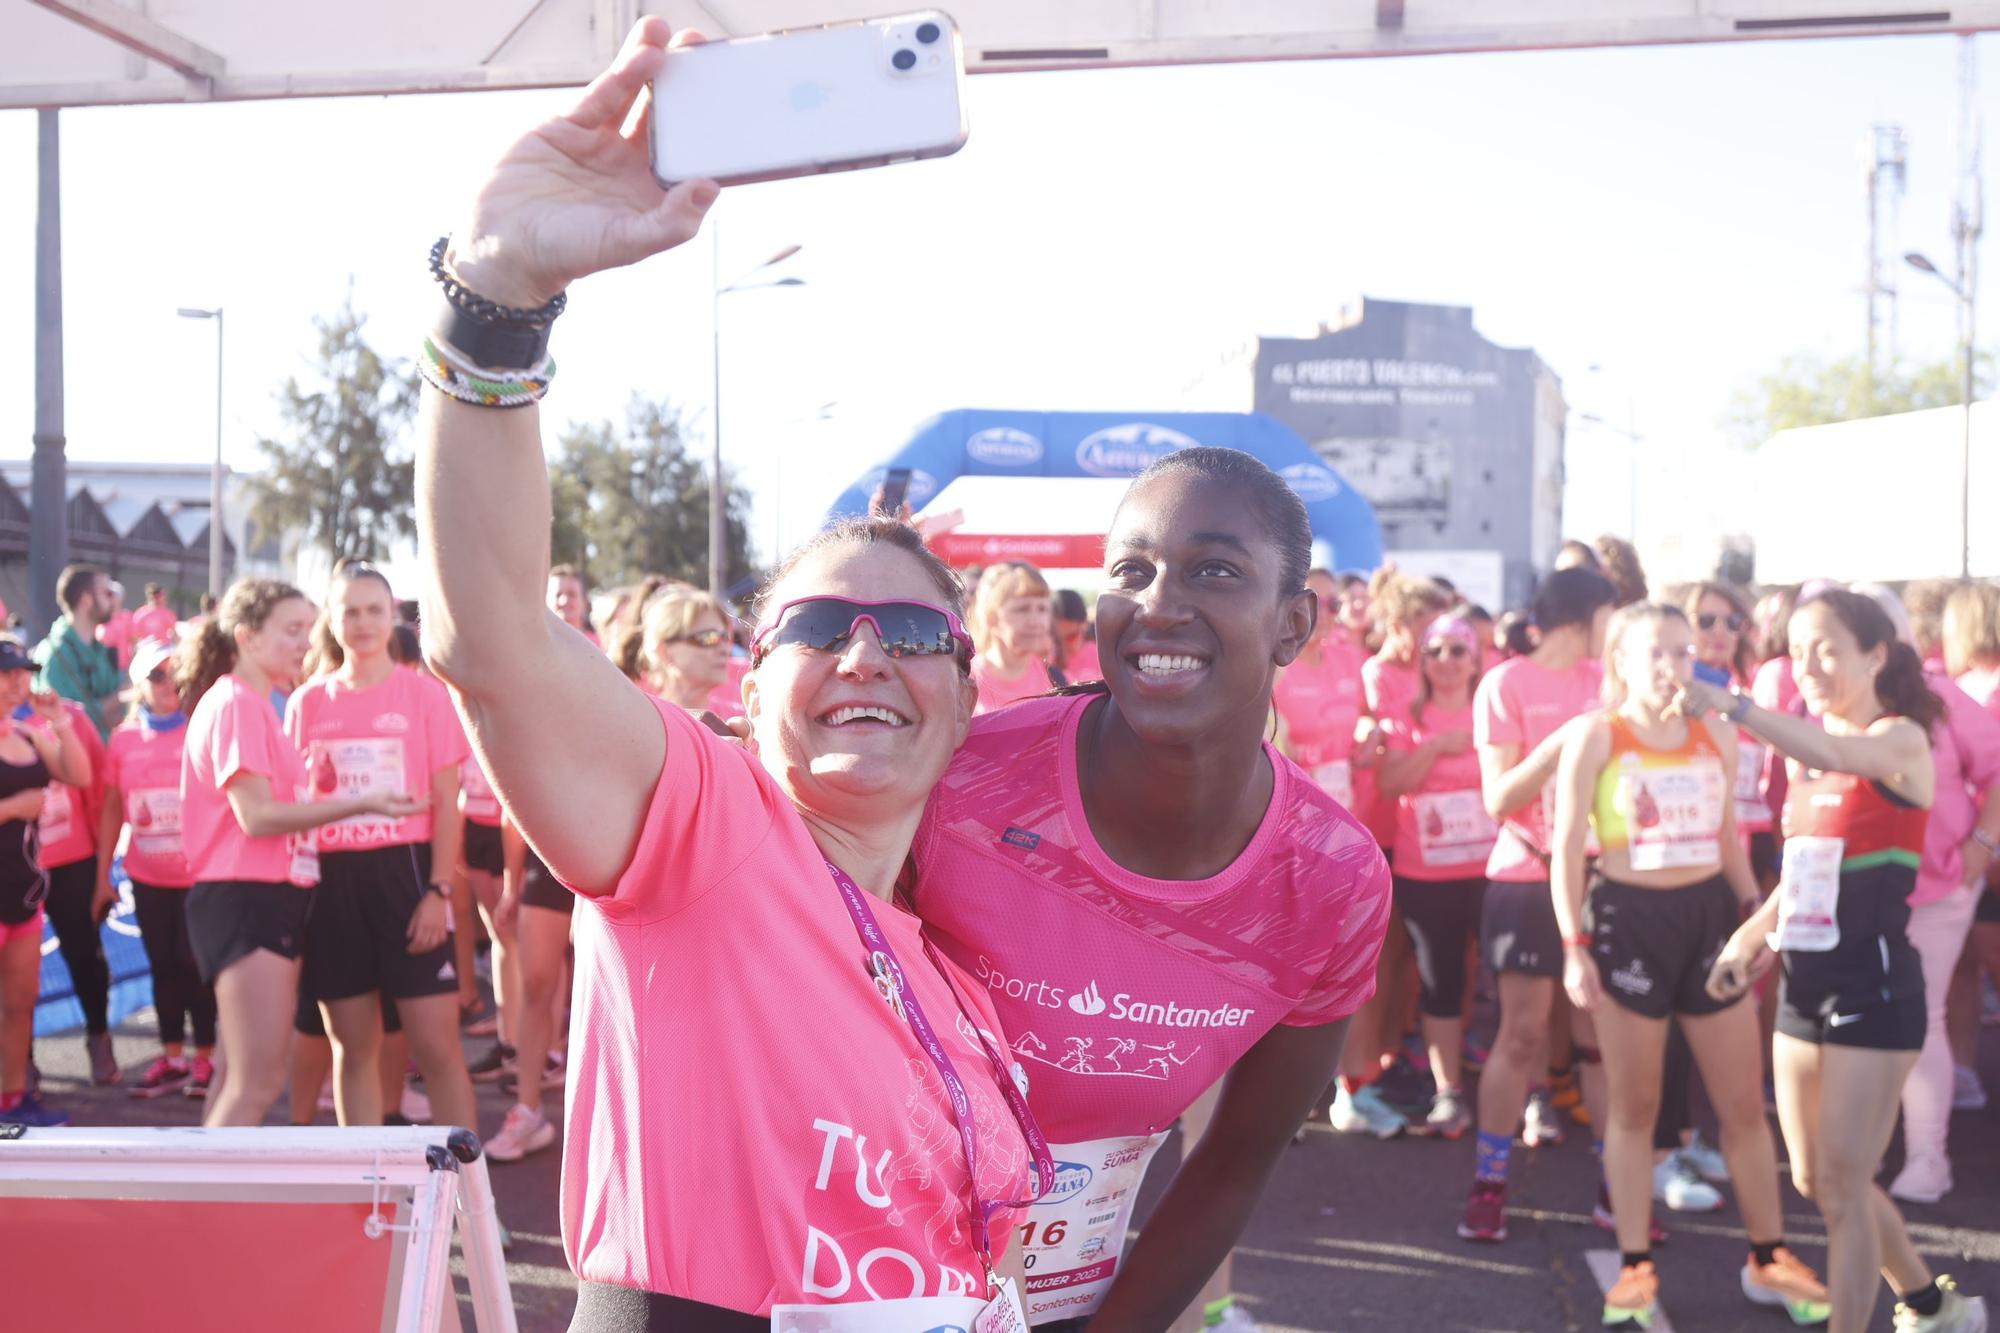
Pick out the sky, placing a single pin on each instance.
(1681, 218)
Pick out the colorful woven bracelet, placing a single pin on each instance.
(483, 388)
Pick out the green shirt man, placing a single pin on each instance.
(72, 662)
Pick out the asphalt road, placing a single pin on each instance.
(1354, 1235)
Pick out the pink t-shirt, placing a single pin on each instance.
(1774, 688)
(748, 1122)
(1083, 664)
(145, 766)
(1392, 688)
(235, 730)
(1965, 751)
(477, 800)
(726, 699)
(154, 622)
(1320, 704)
(1442, 829)
(390, 736)
(116, 634)
(1126, 997)
(996, 692)
(67, 828)
(1522, 703)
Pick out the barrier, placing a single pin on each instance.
(315, 1230)
(56, 1007)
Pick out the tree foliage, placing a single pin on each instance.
(1809, 391)
(341, 476)
(631, 499)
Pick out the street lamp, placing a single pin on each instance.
(1961, 288)
(718, 511)
(215, 475)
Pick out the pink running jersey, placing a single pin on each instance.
(1320, 704)
(145, 766)
(1442, 831)
(994, 692)
(1521, 702)
(235, 730)
(748, 1122)
(1126, 997)
(67, 826)
(395, 734)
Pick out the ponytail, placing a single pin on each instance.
(627, 649)
(1903, 690)
(211, 653)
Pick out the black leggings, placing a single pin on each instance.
(178, 990)
(1442, 917)
(68, 906)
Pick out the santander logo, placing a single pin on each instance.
(1088, 1001)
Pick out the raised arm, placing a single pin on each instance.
(573, 748)
(1894, 750)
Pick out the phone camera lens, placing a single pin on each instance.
(904, 59)
(928, 33)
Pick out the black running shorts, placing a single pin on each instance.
(1866, 991)
(230, 919)
(1442, 917)
(359, 941)
(1654, 947)
(482, 847)
(1517, 929)
(541, 889)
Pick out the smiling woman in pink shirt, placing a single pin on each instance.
(777, 1095)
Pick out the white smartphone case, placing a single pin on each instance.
(815, 100)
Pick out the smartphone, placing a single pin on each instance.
(895, 490)
(837, 98)
(1714, 675)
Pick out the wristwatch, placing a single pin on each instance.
(440, 890)
(1739, 709)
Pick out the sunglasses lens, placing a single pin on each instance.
(907, 629)
(157, 676)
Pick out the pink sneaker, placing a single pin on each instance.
(161, 1077)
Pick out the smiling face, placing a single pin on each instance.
(363, 616)
(853, 732)
(1717, 644)
(1834, 675)
(278, 647)
(158, 691)
(15, 687)
(1449, 663)
(566, 599)
(1191, 625)
(702, 667)
(1355, 607)
(1655, 659)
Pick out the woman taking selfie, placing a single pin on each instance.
(1673, 881)
(1851, 1004)
(247, 821)
(886, 1173)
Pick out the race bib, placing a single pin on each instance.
(58, 814)
(363, 767)
(478, 799)
(1453, 827)
(1750, 804)
(1336, 780)
(921, 1314)
(155, 816)
(1071, 1240)
(1673, 816)
(1809, 895)
(303, 850)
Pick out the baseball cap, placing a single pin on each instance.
(148, 657)
(13, 657)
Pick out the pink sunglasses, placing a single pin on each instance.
(825, 624)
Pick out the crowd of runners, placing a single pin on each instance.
(853, 921)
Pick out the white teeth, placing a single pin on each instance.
(1166, 664)
(857, 712)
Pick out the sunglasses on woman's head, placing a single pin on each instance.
(1734, 620)
(826, 624)
(703, 638)
(1454, 651)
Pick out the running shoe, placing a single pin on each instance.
(1365, 1112)
(1706, 1159)
(1924, 1179)
(1634, 1299)
(1450, 1116)
(31, 1111)
(552, 1077)
(1485, 1212)
(161, 1077)
(103, 1063)
(202, 1076)
(1540, 1123)
(493, 1064)
(1967, 1092)
(525, 1130)
(1788, 1282)
(416, 1107)
(1602, 1216)
(1958, 1314)
(1680, 1187)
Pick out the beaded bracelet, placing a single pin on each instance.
(452, 376)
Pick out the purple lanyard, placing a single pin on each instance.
(895, 988)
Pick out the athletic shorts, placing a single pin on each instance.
(32, 927)
(541, 889)
(1442, 917)
(482, 847)
(230, 919)
(1988, 910)
(1518, 931)
(1866, 991)
(309, 1022)
(1654, 947)
(1765, 856)
(359, 940)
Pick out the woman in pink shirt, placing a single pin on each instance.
(682, 646)
(142, 790)
(778, 1095)
(1972, 652)
(1013, 625)
(1320, 700)
(381, 919)
(1443, 837)
(247, 816)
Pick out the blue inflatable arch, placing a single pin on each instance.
(980, 443)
